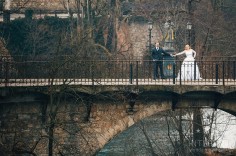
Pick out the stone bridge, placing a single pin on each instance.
(88, 117)
(78, 109)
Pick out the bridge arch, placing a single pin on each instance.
(158, 101)
(115, 119)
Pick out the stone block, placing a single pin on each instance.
(24, 116)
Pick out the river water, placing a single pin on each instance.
(159, 134)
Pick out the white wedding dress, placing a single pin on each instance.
(187, 67)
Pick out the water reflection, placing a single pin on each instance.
(172, 133)
(223, 128)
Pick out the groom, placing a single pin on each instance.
(157, 56)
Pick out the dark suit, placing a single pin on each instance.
(157, 56)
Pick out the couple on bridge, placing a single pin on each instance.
(187, 67)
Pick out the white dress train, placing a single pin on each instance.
(187, 67)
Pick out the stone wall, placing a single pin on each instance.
(133, 36)
(3, 49)
(25, 126)
(133, 39)
(21, 128)
(38, 4)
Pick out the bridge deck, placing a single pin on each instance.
(115, 82)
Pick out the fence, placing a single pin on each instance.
(117, 72)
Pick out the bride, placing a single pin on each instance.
(187, 67)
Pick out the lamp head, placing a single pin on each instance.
(149, 25)
(189, 26)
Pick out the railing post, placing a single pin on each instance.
(6, 73)
(173, 73)
(180, 74)
(149, 70)
(194, 74)
(92, 73)
(217, 73)
(223, 72)
(122, 69)
(137, 73)
(131, 73)
(234, 70)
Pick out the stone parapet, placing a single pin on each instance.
(40, 4)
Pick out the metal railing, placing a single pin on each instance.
(114, 72)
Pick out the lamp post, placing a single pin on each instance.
(189, 28)
(150, 35)
(1, 4)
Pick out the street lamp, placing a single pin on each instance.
(189, 28)
(1, 4)
(150, 35)
(5, 9)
